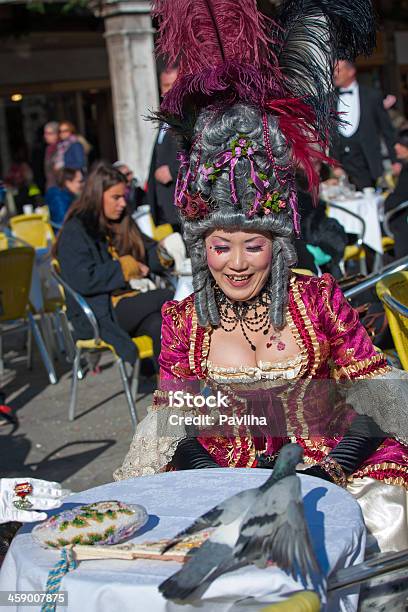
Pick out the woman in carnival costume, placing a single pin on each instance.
(254, 102)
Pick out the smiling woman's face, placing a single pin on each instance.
(240, 262)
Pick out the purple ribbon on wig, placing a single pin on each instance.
(293, 202)
(231, 158)
(182, 183)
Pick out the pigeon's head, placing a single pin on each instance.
(290, 455)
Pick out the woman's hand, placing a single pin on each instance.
(144, 270)
(132, 268)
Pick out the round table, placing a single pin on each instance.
(365, 206)
(173, 500)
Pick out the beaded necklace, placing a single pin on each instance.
(252, 315)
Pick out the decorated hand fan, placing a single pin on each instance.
(102, 523)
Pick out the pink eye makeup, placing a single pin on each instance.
(219, 248)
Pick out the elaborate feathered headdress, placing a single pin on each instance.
(253, 101)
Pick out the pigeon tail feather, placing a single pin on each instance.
(196, 573)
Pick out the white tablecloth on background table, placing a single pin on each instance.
(366, 206)
(173, 500)
(184, 287)
(143, 219)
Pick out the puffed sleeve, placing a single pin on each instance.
(175, 345)
(352, 354)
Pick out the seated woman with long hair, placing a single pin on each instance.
(278, 340)
(100, 250)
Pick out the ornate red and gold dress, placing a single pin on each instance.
(333, 346)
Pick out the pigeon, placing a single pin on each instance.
(261, 526)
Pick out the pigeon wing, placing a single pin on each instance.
(223, 514)
(275, 531)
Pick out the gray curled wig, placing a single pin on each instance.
(214, 131)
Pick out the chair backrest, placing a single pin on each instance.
(393, 292)
(16, 267)
(77, 297)
(391, 213)
(304, 271)
(33, 229)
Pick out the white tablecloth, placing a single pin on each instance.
(173, 500)
(184, 287)
(366, 206)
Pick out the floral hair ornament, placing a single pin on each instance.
(271, 203)
(241, 147)
(195, 207)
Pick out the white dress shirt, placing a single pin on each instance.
(349, 106)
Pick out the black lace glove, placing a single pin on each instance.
(360, 442)
(191, 455)
(317, 471)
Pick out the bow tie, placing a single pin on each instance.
(346, 91)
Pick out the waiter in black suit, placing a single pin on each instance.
(357, 145)
(164, 166)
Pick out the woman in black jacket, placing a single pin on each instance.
(100, 250)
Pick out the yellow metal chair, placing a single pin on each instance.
(3, 241)
(16, 265)
(33, 229)
(144, 345)
(303, 271)
(304, 601)
(161, 231)
(393, 292)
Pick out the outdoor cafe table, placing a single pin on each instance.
(173, 500)
(365, 206)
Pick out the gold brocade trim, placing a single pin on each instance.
(308, 327)
(358, 369)
(180, 312)
(299, 342)
(251, 452)
(305, 355)
(368, 470)
(180, 371)
(316, 445)
(205, 347)
(299, 408)
(339, 326)
(193, 338)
